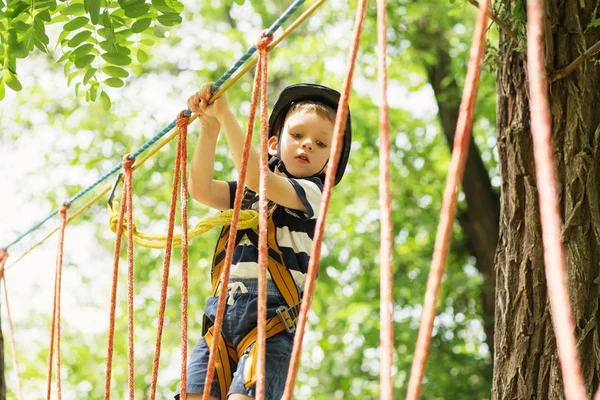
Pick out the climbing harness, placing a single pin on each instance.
(284, 320)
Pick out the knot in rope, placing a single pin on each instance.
(63, 209)
(263, 41)
(127, 163)
(182, 121)
(3, 258)
(3, 255)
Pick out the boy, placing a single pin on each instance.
(300, 135)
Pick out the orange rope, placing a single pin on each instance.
(166, 266)
(128, 193)
(13, 346)
(541, 122)
(336, 149)
(55, 323)
(113, 299)
(261, 74)
(386, 335)
(455, 173)
(237, 205)
(182, 123)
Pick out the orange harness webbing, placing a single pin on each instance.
(287, 287)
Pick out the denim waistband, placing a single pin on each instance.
(252, 286)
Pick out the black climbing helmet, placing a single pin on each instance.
(309, 92)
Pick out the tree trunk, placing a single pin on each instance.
(526, 364)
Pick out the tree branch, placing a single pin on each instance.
(498, 22)
(562, 73)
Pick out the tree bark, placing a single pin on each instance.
(526, 364)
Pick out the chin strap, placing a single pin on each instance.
(276, 164)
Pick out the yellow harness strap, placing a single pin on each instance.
(287, 287)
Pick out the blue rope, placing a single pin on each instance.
(291, 9)
(114, 169)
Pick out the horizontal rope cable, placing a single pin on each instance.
(252, 49)
(172, 125)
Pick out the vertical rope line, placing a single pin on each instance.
(262, 74)
(541, 122)
(336, 149)
(127, 166)
(13, 346)
(166, 267)
(52, 332)
(184, 252)
(386, 335)
(447, 215)
(57, 298)
(237, 205)
(113, 298)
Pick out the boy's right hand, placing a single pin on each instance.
(198, 104)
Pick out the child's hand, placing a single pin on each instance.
(198, 103)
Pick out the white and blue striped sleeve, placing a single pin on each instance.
(309, 191)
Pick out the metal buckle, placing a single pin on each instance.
(280, 310)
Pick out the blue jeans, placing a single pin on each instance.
(239, 319)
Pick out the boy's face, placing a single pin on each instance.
(305, 143)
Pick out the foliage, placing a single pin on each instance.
(340, 354)
(98, 39)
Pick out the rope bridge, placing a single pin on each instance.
(122, 220)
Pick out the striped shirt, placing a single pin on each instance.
(294, 232)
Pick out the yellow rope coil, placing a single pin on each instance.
(248, 219)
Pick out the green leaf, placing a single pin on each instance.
(94, 11)
(117, 58)
(595, 23)
(73, 9)
(79, 38)
(105, 100)
(64, 57)
(137, 11)
(82, 62)
(115, 72)
(175, 5)
(159, 31)
(11, 81)
(106, 22)
(141, 25)
(88, 75)
(82, 50)
(142, 56)
(239, 2)
(44, 16)
(71, 76)
(15, 8)
(162, 6)
(170, 19)
(114, 82)
(93, 92)
(76, 24)
(58, 19)
(147, 42)
(67, 67)
(2, 91)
